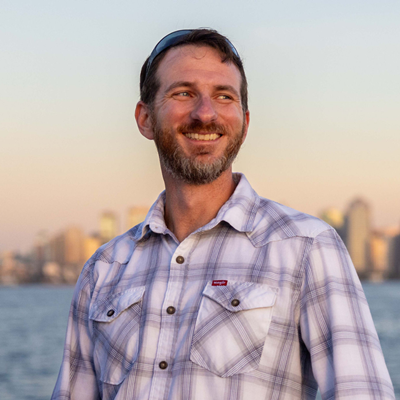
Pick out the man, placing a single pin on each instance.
(218, 294)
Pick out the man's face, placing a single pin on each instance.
(198, 121)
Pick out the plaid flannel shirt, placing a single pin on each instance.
(263, 302)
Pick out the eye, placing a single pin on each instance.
(182, 94)
(224, 97)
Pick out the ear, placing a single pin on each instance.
(246, 124)
(143, 120)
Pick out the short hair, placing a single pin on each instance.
(149, 83)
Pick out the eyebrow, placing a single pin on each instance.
(187, 84)
(179, 84)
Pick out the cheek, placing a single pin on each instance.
(234, 119)
(173, 115)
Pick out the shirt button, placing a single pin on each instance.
(171, 310)
(163, 365)
(110, 313)
(235, 302)
(180, 260)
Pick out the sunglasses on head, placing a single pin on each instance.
(171, 39)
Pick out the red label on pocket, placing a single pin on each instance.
(219, 283)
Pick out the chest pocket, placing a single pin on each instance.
(231, 327)
(116, 323)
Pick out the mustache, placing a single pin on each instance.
(198, 126)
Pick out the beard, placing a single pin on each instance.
(188, 168)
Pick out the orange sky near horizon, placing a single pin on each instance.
(324, 95)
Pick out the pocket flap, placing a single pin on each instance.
(238, 296)
(106, 310)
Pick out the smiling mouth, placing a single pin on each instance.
(203, 137)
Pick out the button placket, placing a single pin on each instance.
(167, 340)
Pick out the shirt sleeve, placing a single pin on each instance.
(76, 379)
(337, 327)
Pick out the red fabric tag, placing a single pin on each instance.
(219, 283)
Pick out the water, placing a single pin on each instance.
(384, 302)
(32, 332)
(33, 327)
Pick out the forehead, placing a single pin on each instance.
(197, 64)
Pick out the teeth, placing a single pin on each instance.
(208, 136)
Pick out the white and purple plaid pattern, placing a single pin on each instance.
(292, 316)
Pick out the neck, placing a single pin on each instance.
(189, 207)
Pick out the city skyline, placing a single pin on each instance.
(324, 93)
(111, 223)
(89, 224)
(58, 257)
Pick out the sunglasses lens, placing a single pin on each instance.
(165, 42)
(170, 40)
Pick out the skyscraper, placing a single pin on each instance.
(67, 256)
(395, 257)
(108, 226)
(136, 215)
(73, 247)
(90, 244)
(358, 235)
(334, 218)
(379, 255)
(383, 252)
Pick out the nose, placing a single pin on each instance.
(204, 110)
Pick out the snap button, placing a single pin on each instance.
(110, 313)
(180, 260)
(235, 302)
(171, 310)
(163, 365)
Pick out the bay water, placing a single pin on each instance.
(33, 325)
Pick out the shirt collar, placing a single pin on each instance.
(239, 212)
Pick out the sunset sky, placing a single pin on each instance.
(324, 87)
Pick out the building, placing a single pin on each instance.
(56, 245)
(136, 215)
(16, 269)
(8, 268)
(395, 258)
(90, 245)
(67, 256)
(380, 245)
(108, 226)
(73, 246)
(335, 218)
(41, 250)
(358, 236)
